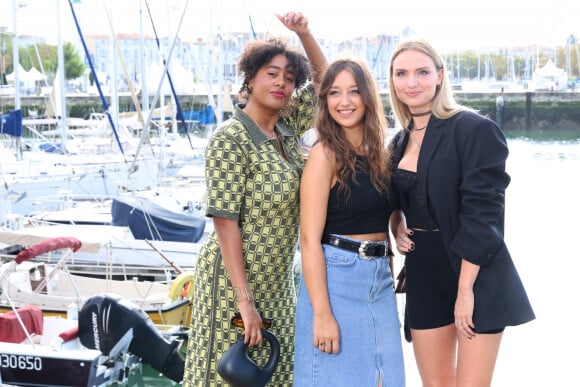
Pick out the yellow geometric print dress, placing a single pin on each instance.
(248, 179)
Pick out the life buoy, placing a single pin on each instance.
(182, 286)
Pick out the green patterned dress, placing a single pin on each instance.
(248, 179)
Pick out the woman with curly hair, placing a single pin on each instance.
(253, 169)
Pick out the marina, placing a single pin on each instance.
(137, 140)
(97, 343)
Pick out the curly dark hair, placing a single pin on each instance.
(258, 53)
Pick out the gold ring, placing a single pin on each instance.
(327, 344)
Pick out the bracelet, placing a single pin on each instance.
(243, 294)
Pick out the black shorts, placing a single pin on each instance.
(431, 283)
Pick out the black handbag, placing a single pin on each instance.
(240, 370)
(402, 281)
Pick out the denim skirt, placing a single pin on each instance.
(362, 299)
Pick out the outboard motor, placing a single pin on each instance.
(108, 323)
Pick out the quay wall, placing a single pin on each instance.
(522, 110)
(525, 110)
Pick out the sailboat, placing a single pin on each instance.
(116, 250)
(99, 344)
(45, 281)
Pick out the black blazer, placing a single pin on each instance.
(461, 175)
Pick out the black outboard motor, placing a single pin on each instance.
(107, 323)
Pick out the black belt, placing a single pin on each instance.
(366, 249)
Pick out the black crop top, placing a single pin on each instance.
(416, 211)
(365, 211)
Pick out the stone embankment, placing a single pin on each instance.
(529, 110)
(525, 110)
(522, 110)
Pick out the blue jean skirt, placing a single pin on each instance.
(362, 299)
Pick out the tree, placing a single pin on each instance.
(28, 56)
(73, 65)
(5, 56)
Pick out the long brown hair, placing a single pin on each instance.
(331, 135)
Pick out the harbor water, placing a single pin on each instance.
(542, 229)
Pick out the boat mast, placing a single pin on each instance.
(128, 78)
(165, 72)
(16, 59)
(97, 83)
(61, 81)
(144, 90)
(15, 66)
(179, 113)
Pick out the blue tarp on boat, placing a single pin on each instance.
(11, 123)
(204, 116)
(148, 220)
(51, 147)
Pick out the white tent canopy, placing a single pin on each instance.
(550, 77)
(36, 75)
(27, 79)
(182, 79)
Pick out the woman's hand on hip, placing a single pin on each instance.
(404, 241)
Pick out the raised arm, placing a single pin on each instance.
(297, 22)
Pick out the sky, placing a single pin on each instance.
(448, 24)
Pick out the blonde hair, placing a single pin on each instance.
(444, 103)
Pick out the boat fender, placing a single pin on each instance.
(182, 286)
(64, 337)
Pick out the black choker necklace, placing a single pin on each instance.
(421, 114)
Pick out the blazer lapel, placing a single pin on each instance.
(431, 139)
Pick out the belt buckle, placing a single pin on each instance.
(362, 249)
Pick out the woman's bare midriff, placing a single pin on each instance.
(374, 237)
